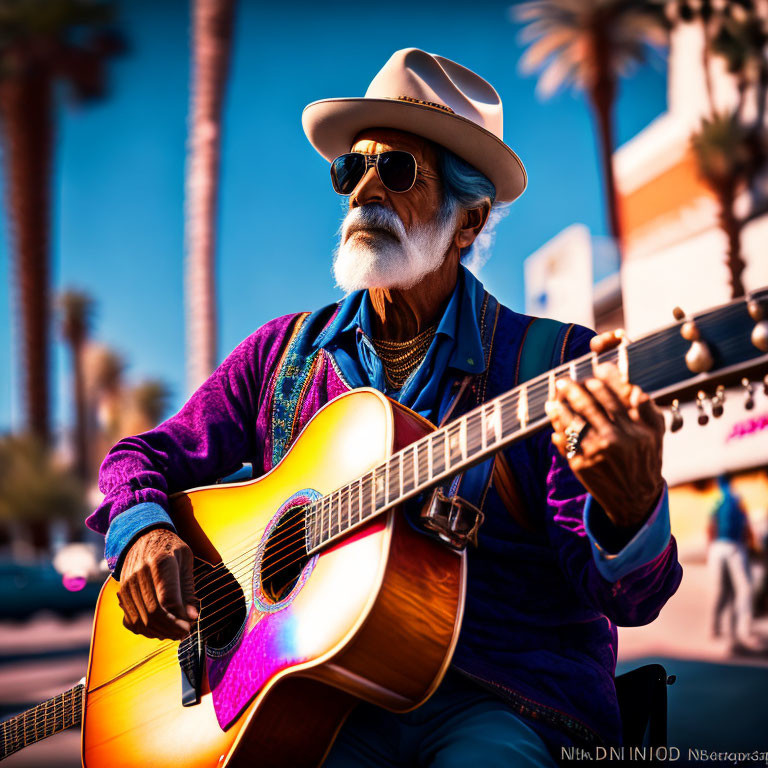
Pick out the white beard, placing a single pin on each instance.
(375, 251)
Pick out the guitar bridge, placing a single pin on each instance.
(452, 519)
(190, 655)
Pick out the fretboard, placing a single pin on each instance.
(656, 363)
(57, 714)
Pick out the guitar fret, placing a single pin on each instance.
(509, 421)
(407, 476)
(438, 454)
(338, 512)
(393, 481)
(474, 433)
(348, 520)
(454, 445)
(367, 496)
(430, 471)
(400, 472)
(492, 418)
(522, 407)
(379, 479)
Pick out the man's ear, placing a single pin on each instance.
(471, 224)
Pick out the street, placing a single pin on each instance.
(717, 702)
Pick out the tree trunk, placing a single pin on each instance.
(731, 226)
(602, 96)
(213, 21)
(81, 417)
(25, 107)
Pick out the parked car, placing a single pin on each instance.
(26, 589)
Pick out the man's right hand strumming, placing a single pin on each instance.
(157, 587)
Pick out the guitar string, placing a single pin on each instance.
(543, 380)
(342, 497)
(30, 729)
(237, 590)
(348, 490)
(533, 400)
(542, 398)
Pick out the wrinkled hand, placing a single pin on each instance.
(619, 461)
(157, 587)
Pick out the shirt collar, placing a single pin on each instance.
(460, 322)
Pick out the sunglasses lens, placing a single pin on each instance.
(346, 172)
(397, 170)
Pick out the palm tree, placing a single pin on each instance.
(150, 404)
(731, 149)
(212, 42)
(35, 488)
(590, 44)
(76, 314)
(103, 369)
(723, 158)
(41, 42)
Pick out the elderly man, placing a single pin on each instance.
(576, 535)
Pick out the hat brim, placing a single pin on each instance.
(332, 124)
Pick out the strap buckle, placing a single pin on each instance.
(453, 519)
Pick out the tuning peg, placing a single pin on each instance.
(698, 358)
(700, 400)
(717, 402)
(758, 311)
(749, 400)
(676, 423)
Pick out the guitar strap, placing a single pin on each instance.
(544, 346)
(472, 485)
(294, 369)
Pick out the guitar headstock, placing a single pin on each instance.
(700, 356)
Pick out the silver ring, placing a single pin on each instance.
(573, 438)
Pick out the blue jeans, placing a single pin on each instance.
(460, 725)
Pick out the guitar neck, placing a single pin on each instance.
(655, 362)
(57, 714)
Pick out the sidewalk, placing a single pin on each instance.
(40, 659)
(682, 630)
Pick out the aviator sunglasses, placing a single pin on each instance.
(396, 169)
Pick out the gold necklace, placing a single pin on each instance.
(401, 358)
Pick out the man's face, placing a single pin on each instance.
(393, 239)
(421, 203)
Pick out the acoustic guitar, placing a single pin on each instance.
(317, 591)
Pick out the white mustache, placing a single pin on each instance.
(373, 217)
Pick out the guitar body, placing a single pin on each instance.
(375, 616)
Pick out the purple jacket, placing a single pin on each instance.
(544, 597)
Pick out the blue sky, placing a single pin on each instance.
(118, 187)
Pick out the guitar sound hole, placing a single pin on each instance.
(285, 555)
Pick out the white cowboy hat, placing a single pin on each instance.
(432, 97)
